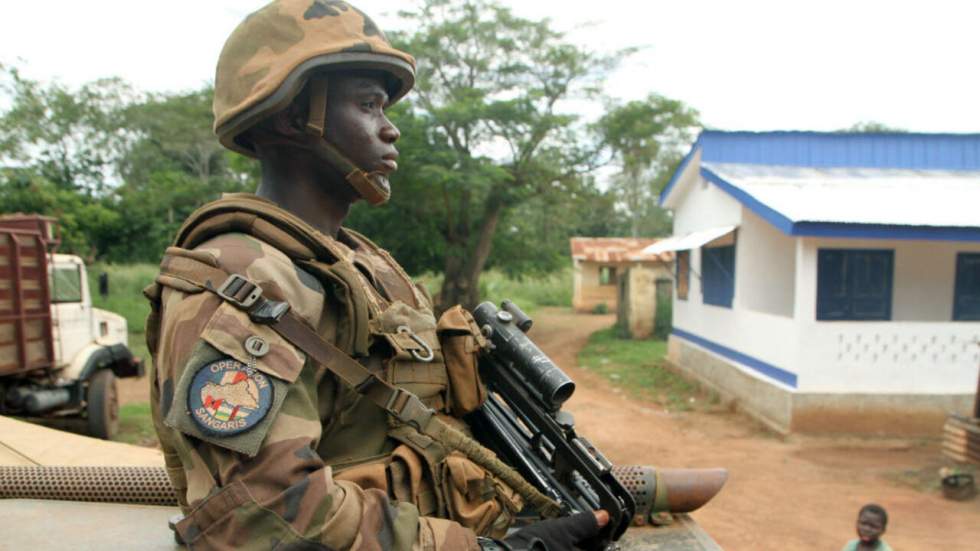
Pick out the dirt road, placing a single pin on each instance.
(795, 493)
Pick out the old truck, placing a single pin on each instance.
(59, 356)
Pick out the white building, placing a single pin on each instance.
(829, 281)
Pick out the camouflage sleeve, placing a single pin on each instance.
(243, 420)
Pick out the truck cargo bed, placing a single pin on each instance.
(25, 299)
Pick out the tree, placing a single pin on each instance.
(491, 86)
(865, 127)
(173, 164)
(72, 137)
(646, 138)
(83, 223)
(118, 169)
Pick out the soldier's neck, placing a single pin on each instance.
(319, 200)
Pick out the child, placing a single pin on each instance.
(871, 523)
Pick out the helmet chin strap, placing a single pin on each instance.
(371, 186)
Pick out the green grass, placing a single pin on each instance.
(530, 292)
(638, 367)
(126, 283)
(136, 425)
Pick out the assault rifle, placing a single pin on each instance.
(522, 422)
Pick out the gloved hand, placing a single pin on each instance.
(557, 534)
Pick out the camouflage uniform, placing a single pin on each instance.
(267, 448)
(286, 492)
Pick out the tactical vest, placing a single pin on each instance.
(384, 318)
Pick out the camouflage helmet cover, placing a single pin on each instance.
(269, 56)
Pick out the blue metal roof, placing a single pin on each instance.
(841, 149)
(836, 149)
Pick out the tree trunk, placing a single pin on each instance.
(465, 261)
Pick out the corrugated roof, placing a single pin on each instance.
(615, 249)
(901, 186)
(911, 151)
(842, 149)
(893, 197)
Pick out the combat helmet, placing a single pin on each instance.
(276, 51)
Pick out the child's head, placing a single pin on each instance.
(871, 522)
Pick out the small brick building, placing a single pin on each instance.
(600, 261)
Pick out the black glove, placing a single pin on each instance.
(557, 534)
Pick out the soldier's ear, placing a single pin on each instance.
(280, 129)
(289, 122)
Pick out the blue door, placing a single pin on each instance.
(966, 298)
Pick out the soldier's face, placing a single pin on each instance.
(356, 123)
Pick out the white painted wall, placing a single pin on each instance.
(772, 339)
(765, 266)
(921, 351)
(924, 278)
(703, 205)
(889, 357)
(773, 317)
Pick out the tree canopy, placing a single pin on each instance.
(497, 169)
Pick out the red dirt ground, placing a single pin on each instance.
(796, 493)
(786, 493)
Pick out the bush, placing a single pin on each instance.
(601, 308)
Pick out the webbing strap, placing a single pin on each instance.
(245, 295)
(316, 123)
(398, 402)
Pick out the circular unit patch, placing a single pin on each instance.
(228, 397)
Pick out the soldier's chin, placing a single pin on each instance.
(377, 191)
(382, 183)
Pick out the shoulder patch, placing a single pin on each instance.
(227, 397)
(229, 383)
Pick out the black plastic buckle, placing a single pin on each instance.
(235, 286)
(268, 312)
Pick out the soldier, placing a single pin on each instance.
(283, 343)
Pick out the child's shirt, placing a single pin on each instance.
(853, 545)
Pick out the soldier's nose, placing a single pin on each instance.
(389, 133)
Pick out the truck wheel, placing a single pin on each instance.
(103, 405)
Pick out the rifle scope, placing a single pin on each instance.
(546, 378)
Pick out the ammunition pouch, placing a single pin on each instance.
(461, 342)
(475, 498)
(463, 491)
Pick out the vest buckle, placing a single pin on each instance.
(240, 292)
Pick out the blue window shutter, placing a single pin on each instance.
(718, 275)
(966, 297)
(832, 287)
(854, 284)
(872, 285)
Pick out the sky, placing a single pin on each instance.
(744, 65)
